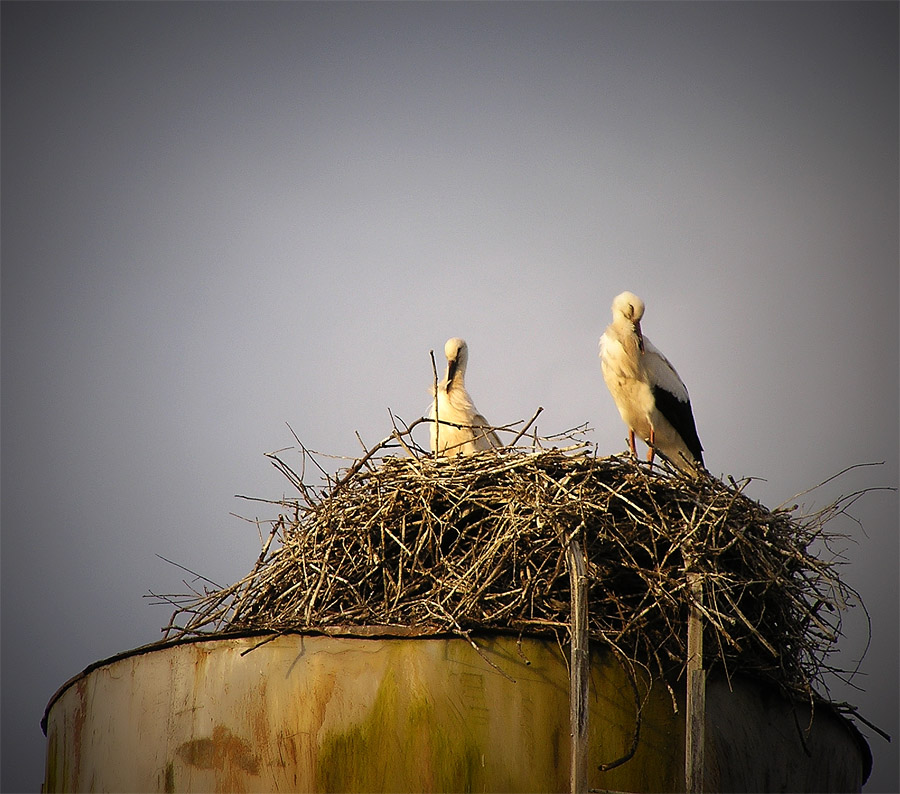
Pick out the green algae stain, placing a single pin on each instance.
(170, 778)
(400, 746)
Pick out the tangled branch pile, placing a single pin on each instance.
(455, 545)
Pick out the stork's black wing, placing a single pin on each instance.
(679, 414)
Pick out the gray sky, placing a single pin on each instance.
(221, 218)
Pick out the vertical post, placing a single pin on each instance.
(695, 716)
(579, 666)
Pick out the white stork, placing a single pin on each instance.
(468, 431)
(652, 400)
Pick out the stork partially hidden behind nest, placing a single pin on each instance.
(652, 400)
(457, 428)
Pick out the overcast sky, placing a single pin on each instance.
(221, 218)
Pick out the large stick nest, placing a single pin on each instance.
(464, 544)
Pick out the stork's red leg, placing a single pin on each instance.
(631, 443)
(651, 450)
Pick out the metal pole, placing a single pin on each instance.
(695, 717)
(579, 666)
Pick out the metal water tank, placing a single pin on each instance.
(313, 712)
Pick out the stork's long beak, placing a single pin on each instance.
(451, 370)
(640, 336)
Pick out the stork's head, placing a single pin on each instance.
(630, 308)
(457, 352)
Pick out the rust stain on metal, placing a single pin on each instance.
(220, 750)
(51, 783)
(78, 717)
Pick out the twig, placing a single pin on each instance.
(437, 419)
(192, 573)
(525, 428)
